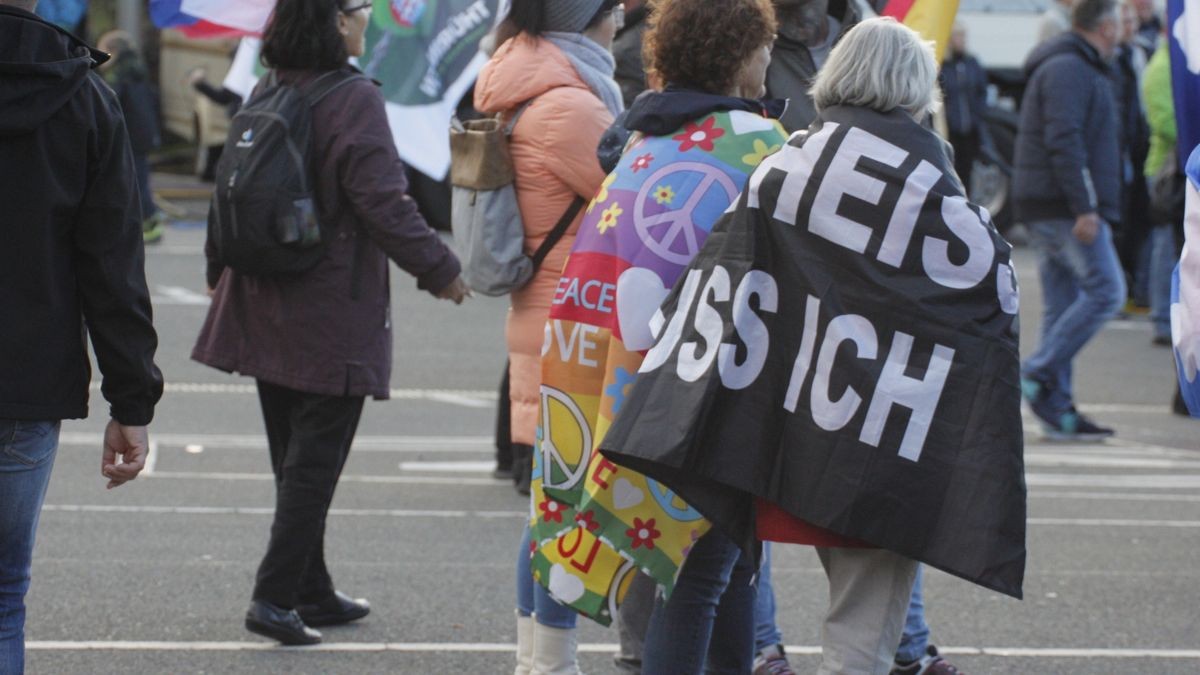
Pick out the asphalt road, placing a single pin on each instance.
(155, 577)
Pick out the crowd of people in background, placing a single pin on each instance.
(589, 87)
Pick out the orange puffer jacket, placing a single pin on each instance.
(554, 155)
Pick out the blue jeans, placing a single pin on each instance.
(26, 457)
(533, 598)
(1163, 258)
(916, 632)
(1082, 288)
(766, 633)
(680, 634)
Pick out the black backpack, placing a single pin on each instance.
(263, 218)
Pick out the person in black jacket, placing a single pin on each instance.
(1067, 191)
(71, 266)
(964, 87)
(126, 73)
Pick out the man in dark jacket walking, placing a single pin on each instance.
(1066, 190)
(808, 29)
(964, 86)
(71, 266)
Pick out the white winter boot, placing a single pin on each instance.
(524, 645)
(554, 651)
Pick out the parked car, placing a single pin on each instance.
(185, 113)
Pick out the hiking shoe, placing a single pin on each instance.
(1074, 426)
(153, 228)
(1037, 393)
(930, 664)
(772, 661)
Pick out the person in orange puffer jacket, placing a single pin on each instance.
(554, 55)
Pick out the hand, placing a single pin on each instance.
(196, 75)
(132, 444)
(211, 291)
(1087, 227)
(457, 291)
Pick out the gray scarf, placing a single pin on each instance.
(595, 65)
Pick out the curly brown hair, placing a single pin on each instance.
(703, 44)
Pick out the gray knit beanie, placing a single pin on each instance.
(570, 16)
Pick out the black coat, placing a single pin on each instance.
(71, 263)
(1068, 157)
(964, 85)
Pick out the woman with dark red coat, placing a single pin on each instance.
(318, 343)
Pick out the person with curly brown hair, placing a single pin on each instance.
(711, 59)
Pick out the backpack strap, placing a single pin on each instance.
(556, 235)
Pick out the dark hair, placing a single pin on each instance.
(1087, 14)
(703, 45)
(303, 35)
(529, 17)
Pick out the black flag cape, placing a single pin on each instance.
(845, 346)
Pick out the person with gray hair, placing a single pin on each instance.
(878, 81)
(1067, 191)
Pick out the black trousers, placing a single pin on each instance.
(504, 449)
(966, 150)
(309, 436)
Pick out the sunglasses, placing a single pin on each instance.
(357, 8)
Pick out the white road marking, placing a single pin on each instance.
(1114, 496)
(178, 295)
(1129, 462)
(163, 249)
(1147, 481)
(1113, 522)
(267, 511)
(589, 648)
(474, 398)
(403, 480)
(430, 513)
(362, 443)
(449, 467)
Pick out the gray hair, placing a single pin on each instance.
(883, 65)
(1087, 15)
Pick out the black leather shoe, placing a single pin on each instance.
(277, 623)
(337, 609)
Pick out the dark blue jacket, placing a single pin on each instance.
(1068, 157)
(964, 83)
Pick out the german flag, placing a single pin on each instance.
(933, 19)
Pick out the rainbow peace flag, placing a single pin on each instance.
(594, 524)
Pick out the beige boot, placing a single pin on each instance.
(524, 645)
(554, 651)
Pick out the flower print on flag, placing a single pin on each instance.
(551, 510)
(587, 520)
(642, 162)
(699, 135)
(609, 218)
(602, 195)
(761, 152)
(664, 195)
(643, 533)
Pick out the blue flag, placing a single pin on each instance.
(1185, 295)
(65, 13)
(1183, 32)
